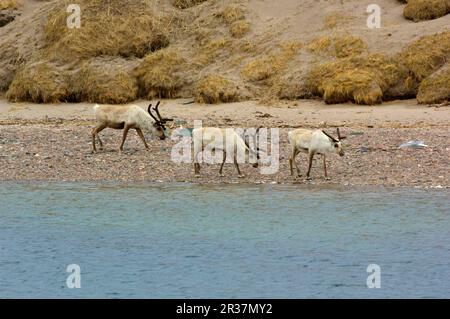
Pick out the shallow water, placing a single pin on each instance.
(186, 241)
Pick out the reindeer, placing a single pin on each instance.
(126, 117)
(205, 135)
(313, 142)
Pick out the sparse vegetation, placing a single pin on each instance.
(418, 10)
(361, 79)
(114, 28)
(435, 88)
(127, 49)
(239, 28)
(8, 4)
(40, 83)
(266, 66)
(338, 46)
(93, 83)
(426, 55)
(232, 13)
(215, 89)
(158, 74)
(184, 4)
(335, 19)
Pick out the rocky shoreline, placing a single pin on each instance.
(61, 151)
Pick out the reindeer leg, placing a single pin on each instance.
(124, 137)
(221, 166)
(311, 156)
(292, 159)
(99, 141)
(296, 164)
(240, 175)
(101, 128)
(141, 135)
(196, 164)
(325, 167)
(94, 133)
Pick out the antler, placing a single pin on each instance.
(339, 135)
(151, 114)
(331, 137)
(161, 119)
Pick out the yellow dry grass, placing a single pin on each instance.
(348, 45)
(215, 89)
(334, 19)
(361, 79)
(338, 46)
(184, 4)
(266, 66)
(232, 13)
(435, 88)
(239, 28)
(115, 28)
(96, 84)
(426, 55)
(418, 10)
(355, 85)
(158, 74)
(319, 45)
(9, 4)
(40, 83)
(209, 51)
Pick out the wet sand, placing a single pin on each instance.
(53, 143)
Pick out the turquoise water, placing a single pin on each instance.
(187, 241)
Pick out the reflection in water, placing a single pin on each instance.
(178, 241)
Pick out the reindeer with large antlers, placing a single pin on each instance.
(313, 142)
(126, 117)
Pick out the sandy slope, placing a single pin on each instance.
(313, 113)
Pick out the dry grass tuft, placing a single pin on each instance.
(264, 67)
(209, 51)
(9, 4)
(158, 74)
(418, 10)
(232, 13)
(215, 89)
(426, 55)
(94, 83)
(184, 4)
(239, 28)
(40, 83)
(334, 19)
(319, 45)
(355, 85)
(348, 46)
(360, 79)
(114, 28)
(435, 88)
(341, 46)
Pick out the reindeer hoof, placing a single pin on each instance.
(241, 176)
(327, 178)
(197, 175)
(309, 179)
(221, 175)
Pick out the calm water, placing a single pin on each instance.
(178, 241)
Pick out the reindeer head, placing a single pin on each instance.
(336, 143)
(160, 122)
